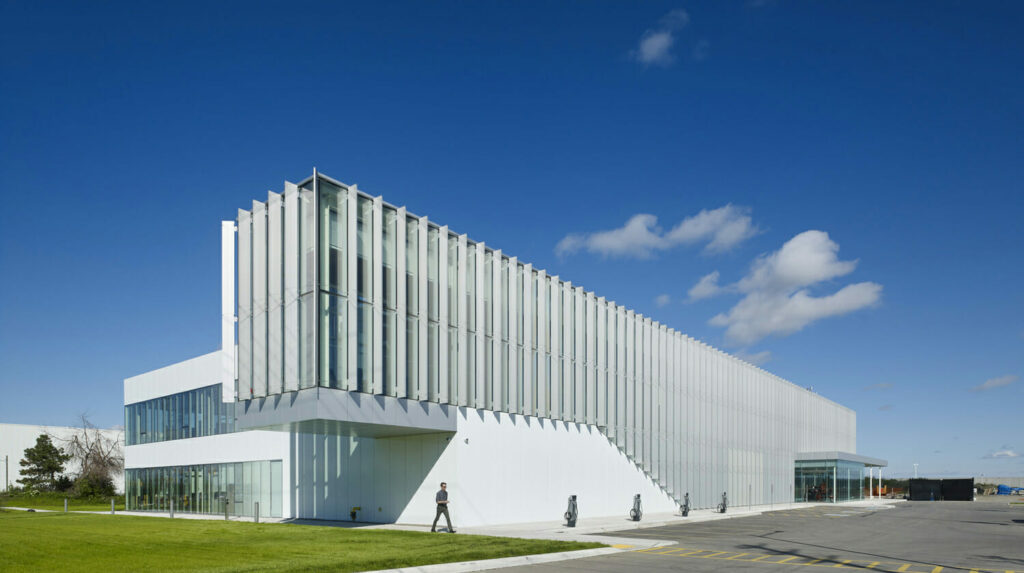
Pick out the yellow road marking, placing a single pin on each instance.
(622, 546)
(901, 567)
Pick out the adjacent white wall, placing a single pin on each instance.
(16, 438)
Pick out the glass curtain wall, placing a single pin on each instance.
(389, 254)
(208, 488)
(333, 285)
(364, 280)
(828, 481)
(192, 414)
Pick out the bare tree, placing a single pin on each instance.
(97, 456)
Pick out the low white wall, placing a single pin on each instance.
(520, 469)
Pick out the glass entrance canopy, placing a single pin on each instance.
(831, 476)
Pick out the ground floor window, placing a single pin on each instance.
(828, 480)
(208, 488)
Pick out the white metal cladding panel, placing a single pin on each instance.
(514, 404)
(259, 299)
(275, 285)
(351, 381)
(443, 387)
(307, 299)
(243, 387)
(543, 323)
(555, 342)
(495, 388)
(591, 358)
(480, 376)
(401, 308)
(566, 378)
(465, 376)
(529, 343)
(377, 270)
(422, 382)
(290, 301)
(601, 358)
(582, 369)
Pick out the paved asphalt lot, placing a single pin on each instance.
(913, 537)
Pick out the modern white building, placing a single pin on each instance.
(373, 353)
(16, 438)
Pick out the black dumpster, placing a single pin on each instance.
(922, 489)
(958, 489)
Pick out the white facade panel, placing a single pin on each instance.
(275, 294)
(290, 294)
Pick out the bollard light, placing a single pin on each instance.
(257, 512)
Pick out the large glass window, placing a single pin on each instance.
(828, 480)
(333, 340)
(471, 287)
(412, 305)
(210, 488)
(389, 252)
(364, 241)
(364, 352)
(333, 236)
(192, 414)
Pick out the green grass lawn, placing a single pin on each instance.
(88, 542)
(55, 501)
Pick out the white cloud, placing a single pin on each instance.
(777, 299)
(706, 287)
(662, 300)
(879, 386)
(995, 383)
(721, 229)
(757, 358)
(655, 45)
(1007, 453)
(725, 226)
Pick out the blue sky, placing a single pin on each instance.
(852, 172)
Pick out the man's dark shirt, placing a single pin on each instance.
(442, 495)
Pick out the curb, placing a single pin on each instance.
(503, 562)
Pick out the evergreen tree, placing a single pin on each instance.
(42, 463)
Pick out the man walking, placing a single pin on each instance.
(442, 508)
